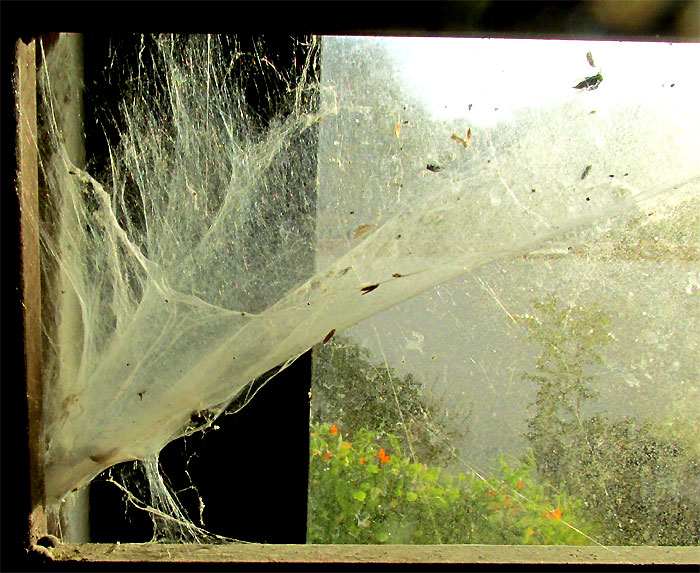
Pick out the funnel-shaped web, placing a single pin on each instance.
(178, 277)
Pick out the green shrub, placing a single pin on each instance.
(368, 491)
(642, 488)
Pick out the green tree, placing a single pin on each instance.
(640, 485)
(353, 393)
(569, 339)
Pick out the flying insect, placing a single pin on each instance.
(590, 83)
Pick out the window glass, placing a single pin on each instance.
(547, 391)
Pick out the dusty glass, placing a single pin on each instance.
(546, 391)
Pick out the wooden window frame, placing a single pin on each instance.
(46, 547)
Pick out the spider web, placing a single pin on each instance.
(177, 277)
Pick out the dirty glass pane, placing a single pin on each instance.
(549, 392)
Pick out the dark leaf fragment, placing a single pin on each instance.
(368, 288)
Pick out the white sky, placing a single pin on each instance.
(450, 73)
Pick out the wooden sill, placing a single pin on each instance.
(380, 554)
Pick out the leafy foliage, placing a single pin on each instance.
(368, 491)
(640, 486)
(622, 482)
(357, 394)
(569, 338)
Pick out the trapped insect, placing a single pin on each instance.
(586, 171)
(463, 142)
(590, 83)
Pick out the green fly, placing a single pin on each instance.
(590, 83)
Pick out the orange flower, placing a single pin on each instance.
(362, 461)
(326, 455)
(520, 485)
(554, 514)
(334, 430)
(382, 456)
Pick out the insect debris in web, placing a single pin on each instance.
(199, 420)
(589, 57)
(432, 167)
(586, 171)
(590, 83)
(368, 288)
(362, 230)
(463, 142)
(329, 336)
